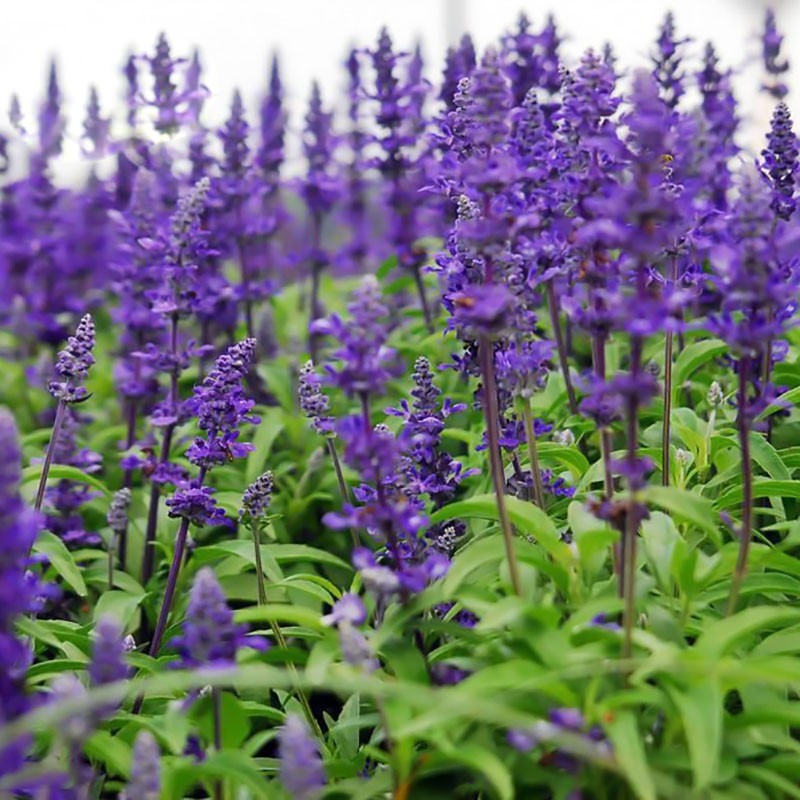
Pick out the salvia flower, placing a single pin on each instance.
(108, 663)
(667, 62)
(780, 161)
(145, 782)
(74, 362)
(775, 66)
(314, 403)
(257, 497)
(365, 362)
(118, 511)
(20, 591)
(209, 635)
(301, 770)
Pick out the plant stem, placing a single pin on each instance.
(492, 417)
(169, 591)
(599, 363)
(666, 423)
(423, 299)
(260, 581)
(632, 517)
(216, 701)
(61, 409)
(746, 532)
(553, 306)
(112, 547)
(337, 466)
(133, 407)
(149, 552)
(533, 455)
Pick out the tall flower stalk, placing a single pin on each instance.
(72, 368)
(220, 407)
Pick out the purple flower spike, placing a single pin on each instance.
(313, 402)
(145, 782)
(108, 653)
(780, 161)
(257, 497)
(74, 362)
(301, 771)
(775, 67)
(210, 636)
(350, 608)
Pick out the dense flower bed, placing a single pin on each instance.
(457, 462)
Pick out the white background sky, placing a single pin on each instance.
(90, 39)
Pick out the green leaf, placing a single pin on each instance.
(120, 605)
(789, 398)
(629, 750)
(229, 765)
(485, 763)
(281, 553)
(722, 636)
(694, 356)
(527, 517)
(701, 710)
(272, 424)
(49, 545)
(235, 727)
(62, 472)
(111, 751)
(687, 507)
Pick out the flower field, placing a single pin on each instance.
(453, 457)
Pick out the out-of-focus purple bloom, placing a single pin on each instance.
(780, 161)
(51, 121)
(169, 102)
(459, 62)
(349, 608)
(301, 770)
(145, 781)
(209, 634)
(96, 128)
(20, 590)
(531, 60)
(118, 511)
(365, 361)
(771, 42)
(108, 663)
(667, 62)
(356, 649)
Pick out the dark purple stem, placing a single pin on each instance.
(553, 307)
(48, 457)
(492, 417)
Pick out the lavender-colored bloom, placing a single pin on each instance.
(319, 187)
(51, 121)
(96, 128)
(349, 608)
(74, 362)
(196, 504)
(118, 511)
(667, 63)
(780, 161)
(365, 362)
(426, 468)
(356, 649)
(168, 101)
(531, 60)
(257, 497)
(221, 407)
(301, 771)
(771, 43)
(209, 634)
(145, 782)
(20, 591)
(269, 154)
(108, 663)
(459, 62)
(314, 403)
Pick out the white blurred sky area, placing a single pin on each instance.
(90, 40)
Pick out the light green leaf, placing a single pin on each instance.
(629, 750)
(49, 545)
